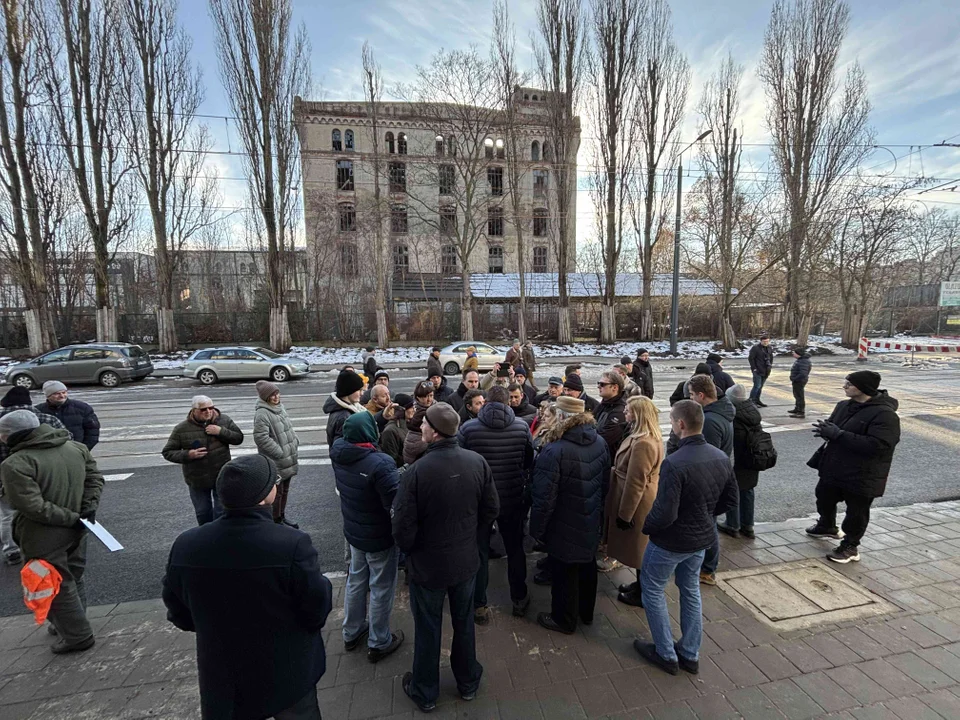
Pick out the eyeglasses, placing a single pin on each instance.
(847, 384)
(603, 384)
(205, 409)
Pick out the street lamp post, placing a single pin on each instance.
(675, 304)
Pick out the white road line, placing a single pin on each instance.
(314, 461)
(117, 477)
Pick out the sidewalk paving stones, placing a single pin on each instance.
(902, 662)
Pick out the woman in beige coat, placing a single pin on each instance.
(633, 488)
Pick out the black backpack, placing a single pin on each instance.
(761, 454)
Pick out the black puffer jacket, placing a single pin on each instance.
(800, 370)
(696, 485)
(443, 392)
(338, 410)
(643, 376)
(612, 422)
(721, 378)
(434, 367)
(455, 399)
(525, 411)
(859, 460)
(78, 417)
(718, 424)
(504, 441)
(748, 416)
(761, 359)
(570, 480)
(367, 481)
(444, 499)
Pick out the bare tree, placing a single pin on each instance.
(509, 79)
(263, 69)
(617, 27)
(373, 88)
(82, 79)
(24, 248)
(560, 55)
(933, 245)
(455, 97)
(663, 80)
(163, 91)
(820, 129)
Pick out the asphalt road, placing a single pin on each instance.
(145, 502)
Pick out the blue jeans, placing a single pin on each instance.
(742, 516)
(658, 566)
(206, 503)
(427, 608)
(758, 383)
(376, 572)
(711, 556)
(7, 512)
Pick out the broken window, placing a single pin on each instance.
(345, 175)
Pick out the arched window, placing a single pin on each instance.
(337, 145)
(534, 98)
(440, 145)
(501, 150)
(488, 148)
(402, 144)
(526, 96)
(547, 152)
(535, 151)
(391, 148)
(348, 139)
(243, 268)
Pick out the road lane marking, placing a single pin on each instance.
(117, 477)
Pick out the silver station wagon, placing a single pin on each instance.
(226, 364)
(107, 364)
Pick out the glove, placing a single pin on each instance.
(827, 430)
(624, 525)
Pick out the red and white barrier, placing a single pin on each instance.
(862, 350)
(904, 347)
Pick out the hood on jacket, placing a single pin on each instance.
(496, 415)
(39, 438)
(333, 403)
(881, 398)
(580, 429)
(747, 412)
(722, 407)
(346, 453)
(270, 406)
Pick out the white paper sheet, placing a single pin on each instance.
(103, 535)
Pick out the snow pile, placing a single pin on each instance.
(170, 361)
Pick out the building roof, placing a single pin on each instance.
(583, 285)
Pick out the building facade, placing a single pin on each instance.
(439, 178)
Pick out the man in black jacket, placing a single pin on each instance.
(442, 391)
(77, 416)
(343, 402)
(504, 441)
(573, 387)
(553, 391)
(643, 372)
(799, 375)
(434, 368)
(518, 403)
(761, 362)
(472, 403)
(611, 412)
(720, 376)
(854, 462)
(244, 568)
(696, 484)
(446, 498)
(470, 381)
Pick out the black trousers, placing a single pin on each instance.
(306, 708)
(573, 592)
(798, 396)
(857, 516)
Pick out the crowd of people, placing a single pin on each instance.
(425, 480)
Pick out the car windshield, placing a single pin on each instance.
(268, 353)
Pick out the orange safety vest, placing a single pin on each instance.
(41, 583)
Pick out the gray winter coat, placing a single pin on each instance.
(275, 437)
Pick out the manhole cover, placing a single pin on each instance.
(796, 595)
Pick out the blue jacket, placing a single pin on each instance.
(367, 481)
(696, 484)
(253, 592)
(504, 441)
(78, 417)
(800, 370)
(570, 479)
(718, 424)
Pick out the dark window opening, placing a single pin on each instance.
(540, 259)
(398, 177)
(401, 259)
(440, 145)
(495, 180)
(448, 221)
(449, 264)
(348, 139)
(535, 151)
(398, 219)
(447, 179)
(501, 151)
(488, 148)
(540, 222)
(495, 259)
(495, 222)
(540, 183)
(391, 148)
(345, 175)
(348, 218)
(336, 143)
(401, 144)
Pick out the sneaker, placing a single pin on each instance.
(833, 533)
(14, 558)
(520, 606)
(481, 615)
(727, 530)
(748, 533)
(396, 640)
(61, 648)
(690, 666)
(606, 564)
(469, 696)
(350, 645)
(648, 651)
(707, 578)
(424, 707)
(844, 554)
(546, 620)
(798, 415)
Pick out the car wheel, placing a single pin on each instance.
(451, 368)
(207, 377)
(24, 381)
(279, 374)
(110, 379)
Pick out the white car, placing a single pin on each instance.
(453, 357)
(226, 364)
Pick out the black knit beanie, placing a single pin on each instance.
(246, 480)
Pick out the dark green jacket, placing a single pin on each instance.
(202, 474)
(392, 438)
(51, 481)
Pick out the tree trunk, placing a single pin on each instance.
(466, 307)
(39, 338)
(383, 337)
(852, 329)
(166, 330)
(803, 333)
(728, 337)
(564, 330)
(608, 323)
(279, 330)
(107, 324)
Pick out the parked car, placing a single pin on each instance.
(243, 363)
(452, 357)
(108, 364)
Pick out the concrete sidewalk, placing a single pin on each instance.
(899, 659)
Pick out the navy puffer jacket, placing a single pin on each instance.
(504, 441)
(367, 481)
(721, 378)
(570, 479)
(800, 370)
(78, 417)
(718, 424)
(696, 484)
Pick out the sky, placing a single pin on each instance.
(910, 52)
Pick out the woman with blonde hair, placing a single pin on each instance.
(633, 488)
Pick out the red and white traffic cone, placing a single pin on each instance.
(862, 353)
